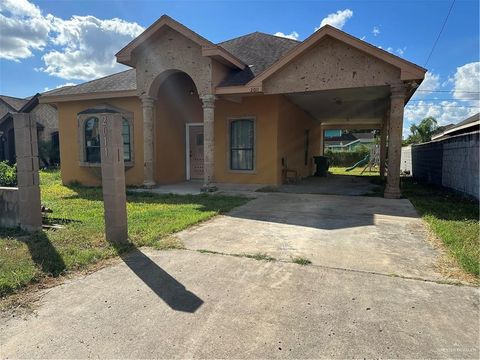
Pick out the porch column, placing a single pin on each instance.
(397, 102)
(148, 103)
(208, 142)
(383, 144)
(322, 140)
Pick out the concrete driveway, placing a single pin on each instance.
(187, 304)
(183, 304)
(348, 232)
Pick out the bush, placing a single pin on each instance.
(347, 158)
(48, 153)
(8, 174)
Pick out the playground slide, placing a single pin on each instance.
(362, 162)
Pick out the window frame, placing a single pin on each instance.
(85, 115)
(230, 120)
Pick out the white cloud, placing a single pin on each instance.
(22, 28)
(87, 46)
(466, 82)
(430, 82)
(337, 19)
(376, 31)
(79, 48)
(464, 105)
(445, 112)
(293, 35)
(398, 51)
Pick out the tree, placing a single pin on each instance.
(422, 132)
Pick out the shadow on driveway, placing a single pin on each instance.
(161, 283)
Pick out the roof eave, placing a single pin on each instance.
(87, 96)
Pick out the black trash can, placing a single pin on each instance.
(323, 164)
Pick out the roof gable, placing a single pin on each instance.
(14, 103)
(209, 49)
(408, 70)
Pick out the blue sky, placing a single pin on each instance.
(46, 44)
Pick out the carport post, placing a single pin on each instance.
(322, 140)
(113, 178)
(383, 143)
(397, 102)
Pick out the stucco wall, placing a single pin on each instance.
(291, 137)
(170, 50)
(69, 147)
(9, 215)
(264, 109)
(331, 64)
(175, 107)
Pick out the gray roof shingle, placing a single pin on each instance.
(13, 102)
(257, 50)
(122, 81)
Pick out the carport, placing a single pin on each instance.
(344, 83)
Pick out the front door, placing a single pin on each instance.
(195, 138)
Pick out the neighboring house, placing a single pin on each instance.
(333, 133)
(45, 115)
(365, 138)
(240, 111)
(468, 125)
(336, 140)
(344, 142)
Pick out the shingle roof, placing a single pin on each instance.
(257, 50)
(13, 102)
(471, 119)
(122, 81)
(364, 136)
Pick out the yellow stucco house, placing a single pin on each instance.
(240, 111)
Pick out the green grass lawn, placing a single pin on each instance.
(25, 258)
(453, 219)
(337, 170)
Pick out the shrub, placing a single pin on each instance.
(48, 153)
(347, 158)
(8, 174)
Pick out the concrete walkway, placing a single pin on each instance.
(183, 304)
(349, 232)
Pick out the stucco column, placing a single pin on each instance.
(113, 178)
(322, 140)
(208, 142)
(26, 149)
(148, 103)
(383, 144)
(397, 102)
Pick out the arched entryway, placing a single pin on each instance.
(178, 129)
